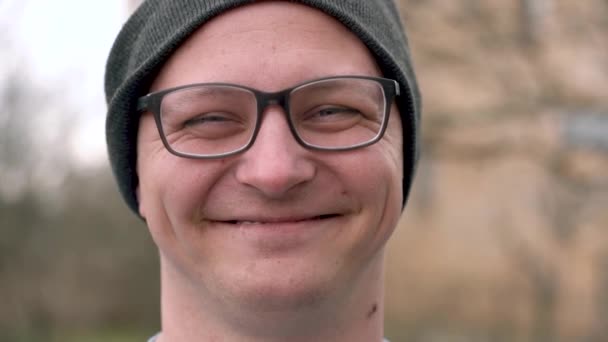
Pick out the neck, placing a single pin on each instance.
(353, 313)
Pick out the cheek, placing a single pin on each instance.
(383, 178)
(173, 190)
(373, 177)
(170, 187)
(380, 179)
(383, 163)
(177, 186)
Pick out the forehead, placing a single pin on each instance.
(269, 45)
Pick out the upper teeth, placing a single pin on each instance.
(268, 222)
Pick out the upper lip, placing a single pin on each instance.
(274, 218)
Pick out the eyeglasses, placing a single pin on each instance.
(214, 120)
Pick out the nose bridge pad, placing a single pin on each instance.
(284, 126)
(280, 101)
(276, 99)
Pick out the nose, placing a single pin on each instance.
(276, 164)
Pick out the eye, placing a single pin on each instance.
(212, 126)
(208, 118)
(330, 112)
(335, 110)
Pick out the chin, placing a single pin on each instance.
(283, 289)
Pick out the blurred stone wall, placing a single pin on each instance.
(505, 231)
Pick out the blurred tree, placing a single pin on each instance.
(71, 255)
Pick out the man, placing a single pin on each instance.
(270, 147)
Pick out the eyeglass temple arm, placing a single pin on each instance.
(142, 103)
(397, 89)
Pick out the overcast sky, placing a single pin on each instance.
(64, 44)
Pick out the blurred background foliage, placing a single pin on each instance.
(504, 237)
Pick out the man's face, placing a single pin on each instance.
(277, 224)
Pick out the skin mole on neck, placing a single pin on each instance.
(372, 311)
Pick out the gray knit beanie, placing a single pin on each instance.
(158, 27)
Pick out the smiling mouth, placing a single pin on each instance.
(279, 221)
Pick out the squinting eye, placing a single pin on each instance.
(330, 113)
(335, 110)
(207, 118)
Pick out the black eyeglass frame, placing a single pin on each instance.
(152, 103)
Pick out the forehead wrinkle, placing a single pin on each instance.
(276, 38)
